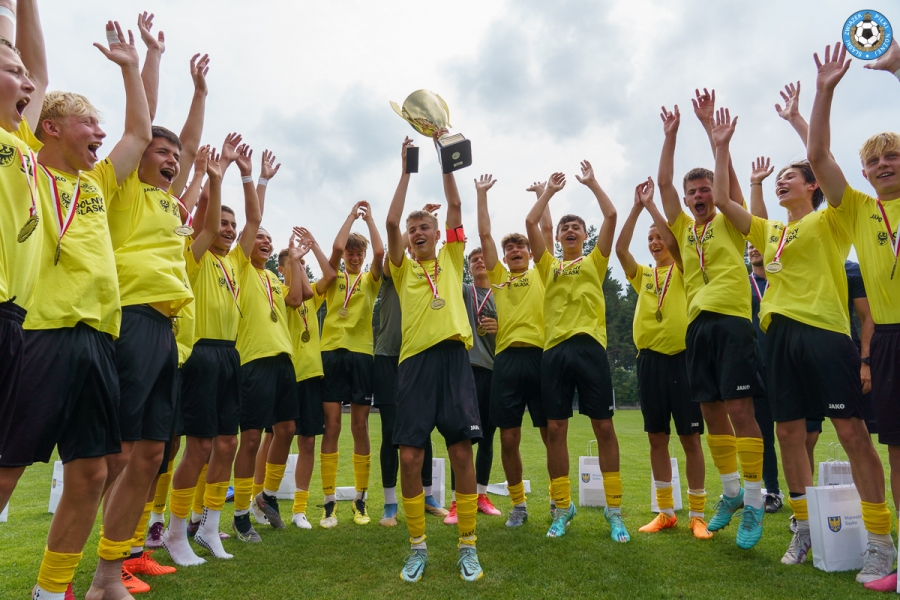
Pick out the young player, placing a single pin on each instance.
(720, 342)
(871, 224)
(516, 383)
(347, 357)
(574, 349)
(660, 324)
(435, 386)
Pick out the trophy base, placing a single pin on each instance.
(455, 152)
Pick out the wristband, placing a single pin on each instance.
(752, 184)
(456, 235)
(246, 178)
(5, 12)
(263, 181)
(865, 360)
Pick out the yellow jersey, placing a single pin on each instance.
(660, 290)
(307, 356)
(519, 299)
(259, 334)
(215, 283)
(352, 332)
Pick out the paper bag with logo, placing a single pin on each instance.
(56, 486)
(834, 470)
(836, 527)
(590, 479)
(4, 516)
(286, 489)
(676, 488)
(438, 476)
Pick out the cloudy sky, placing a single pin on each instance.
(536, 86)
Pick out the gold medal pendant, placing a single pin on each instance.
(481, 331)
(184, 230)
(438, 303)
(774, 267)
(27, 229)
(343, 312)
(705, 277)
(56, 256)
(304, 337)
(273, 316)
(659, 316)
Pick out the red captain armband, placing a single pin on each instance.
(457, 234)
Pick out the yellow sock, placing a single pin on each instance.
(301, 498)
(798, 505)
(256, 489)
(200, 491)
(242, 488)
(57, 571)
(274, 475)
(361, 465)
(876, 517)
(664, 497)
(110, 550)
(329, 463)
(415, 517)
(162, 489)
(723, 449)
(180, 502)
(696, 501)
(750, 453)
(612, 487)
(560, 492)
(140, 533)
(466, 509)
(214, 496)
(517, 493)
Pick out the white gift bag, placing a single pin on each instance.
(500, 488)
(836, 527)
(676, 488)
(56, 486)
(833, 470)
(590, 480)
(4, 516)
(287, 487)
(438, 476)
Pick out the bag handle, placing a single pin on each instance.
(589, 444)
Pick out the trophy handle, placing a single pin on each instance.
(446, 110)
(398, 110)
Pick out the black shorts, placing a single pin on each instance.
(722, 356)
(436, 388)
(580, 363)
(68, 397)
(814, 425)
(348, 376)
(483, 379)
(885, 356)
(311, 421)
(813, 372)
(211, 399)
(385, 380)
(516, 384)
(146, 360)
(665, 394)
(268, 392)
(11, 348)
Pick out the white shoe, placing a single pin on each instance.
(300, 521)
(879, 561)
(258, 514)
(798, 551)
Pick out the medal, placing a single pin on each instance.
(775, 266)
(267, 285)
(274, 316)
(184, 230)
(438, 303)
(698, 247)
(479, 308)
(28, 228)
(894, 240)
(343, 312)
(705, 278)
(661, 292)
(33, 219)
(555, 276)
(63, 219)
(658, 316)
(304, 337)
(481, 331)
(563, 267)
(56, 256)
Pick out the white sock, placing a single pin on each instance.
(208, 534)
(43, 594)
(176, 543)
(420, 545)
(883, 539)
(803, 525)
(359, 495)
(329, 498)
(731, 484)
(269, 492)
(753, 494)
(453, 496)
(300, 520)
(241, 513)
(156, 517)
(427, 490)
(390, 495)
(482, 489)
(195, 517)
(661, 485)
(137, 549)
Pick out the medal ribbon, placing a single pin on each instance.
(781, 243)
(348, 289)
(512, 279)
(479, 308)
(698, 244)
(432, 282)
(563, 266)
(759, 293)
(268, 289)
(302, 312)
(64, 220)
(189, 219)
(228, 282)
(661, 293)
(32, 180)
(895, 243)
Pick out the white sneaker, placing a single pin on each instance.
(879, 562)
(798, 551)
(300, 521)
(258, 514)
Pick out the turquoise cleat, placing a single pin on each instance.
(617, 532)
(725, 508)
(469, 567)
(561, 520)
(414, 566)
(750, 529)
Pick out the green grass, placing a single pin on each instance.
(352, 562)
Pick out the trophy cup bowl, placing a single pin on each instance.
(427, 113)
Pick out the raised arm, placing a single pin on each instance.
(488, 246)
(889, 61)
(191, 196)
(304, 279)
(818, 148)
(377, 243)
(204, 239)
(126, 156)
(704, 107)
(608, 227)
(721, 136)
(8, 20)
(791, 111)
(671, 199)
(329, 274)
(629, 265)
(396, 245)
(193, 126)
(30, 42)
(297, 293)
(252, 208)
(663, 228)
(340, 240)
(546, 220)
(267, 170)
(150, 73)
(556, 182)
(761, 169)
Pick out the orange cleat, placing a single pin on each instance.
(698, 527)
(133, 584)
(146, 565)
(662, 521)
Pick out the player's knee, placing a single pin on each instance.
(660, 440)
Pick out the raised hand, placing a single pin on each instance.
(723, 128)
(432, 208)
(556, 182)
(761, 168)
(297, 246)
(484, 183)
(365, 211)
(830, 72)
(244, 159)
(199, 69)
(213, 166)
(587, 174)
(305, 235)
(643, 193)
(229, 148)
(889, 61)
(537, 187)
(145, 24)
(671, 120)
(440, 133)
(268, 168)
(120, 52)
(791, 97)
(200, 163)
(704, 105)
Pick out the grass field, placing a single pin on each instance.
(363, 562)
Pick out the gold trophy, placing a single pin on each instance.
(427, 113)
